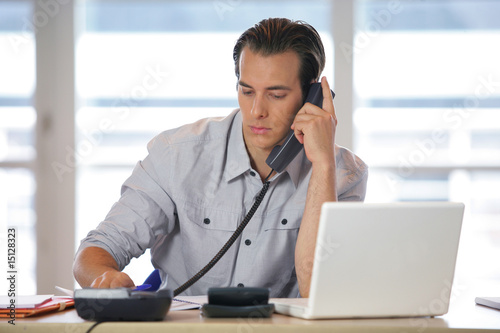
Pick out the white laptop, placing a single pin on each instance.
(381, 260)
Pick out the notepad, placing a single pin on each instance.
(28, 306)
(24, 301)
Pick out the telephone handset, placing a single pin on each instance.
(282, 155)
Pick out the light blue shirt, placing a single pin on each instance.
(185, 199)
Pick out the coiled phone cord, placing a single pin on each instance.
(230, 242)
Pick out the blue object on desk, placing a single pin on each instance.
(142, 287)
(152, 283)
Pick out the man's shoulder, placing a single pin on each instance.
(346, 159)
(201, 131)
(352, 175)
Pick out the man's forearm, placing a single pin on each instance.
(322, 188)
(91, 263)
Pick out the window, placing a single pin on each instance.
(17, 148)
(427, 120)
(425, 117)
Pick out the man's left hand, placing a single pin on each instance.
(315, 127)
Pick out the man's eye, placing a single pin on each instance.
(278, 96)
(248, 92)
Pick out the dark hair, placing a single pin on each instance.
(278, 35)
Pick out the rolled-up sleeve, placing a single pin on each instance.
(352, 176)
(144, 212)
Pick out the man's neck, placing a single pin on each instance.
(258, 162)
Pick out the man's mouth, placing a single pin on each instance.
(259, 129)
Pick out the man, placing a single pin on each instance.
(186, 198)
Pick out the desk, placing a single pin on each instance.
(462, 317)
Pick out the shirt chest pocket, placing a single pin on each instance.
(283, 220)
(207, 218)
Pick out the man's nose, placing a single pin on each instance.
(259, 108)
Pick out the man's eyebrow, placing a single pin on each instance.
(241, 83)
(277, 87)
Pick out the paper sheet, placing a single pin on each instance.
(25, 302)
(187, 302)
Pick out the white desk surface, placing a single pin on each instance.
(464, 315)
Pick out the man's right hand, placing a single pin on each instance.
(113, 279)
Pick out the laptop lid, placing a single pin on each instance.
(384, 260)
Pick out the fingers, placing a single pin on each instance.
(327, 97)
(327, 101)
(313, 121)
(312, 118)
(111, 279)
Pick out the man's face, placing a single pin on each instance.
(269, 95)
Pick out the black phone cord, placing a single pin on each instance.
(230, 242)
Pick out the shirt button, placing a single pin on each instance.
(240, 285)
(252, 173)
(248, 242)
(206, 221)
(284, 221)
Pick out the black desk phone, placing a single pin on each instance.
(122, 304)
(125, 304)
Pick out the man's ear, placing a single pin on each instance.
(306, 89)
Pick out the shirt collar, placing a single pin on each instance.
(238, 162)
